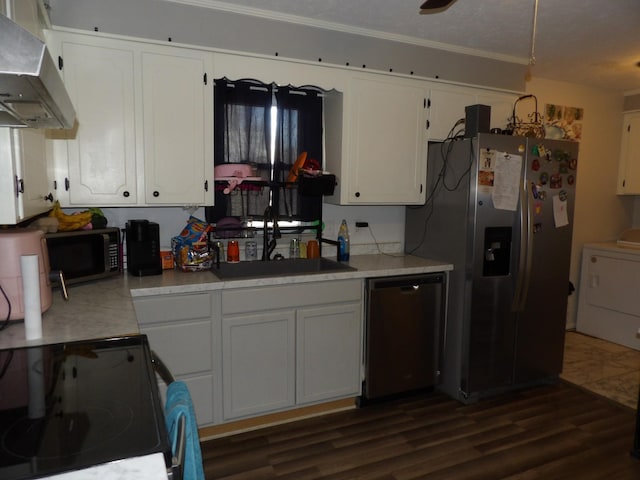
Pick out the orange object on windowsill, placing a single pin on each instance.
(293, 173)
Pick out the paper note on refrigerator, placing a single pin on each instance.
(506, 181)
(560, 216)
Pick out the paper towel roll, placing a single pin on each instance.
(31, 296)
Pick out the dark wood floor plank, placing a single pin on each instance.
(551, 432)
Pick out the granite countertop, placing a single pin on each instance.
(104, 308)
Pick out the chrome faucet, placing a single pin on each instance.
(269, 245)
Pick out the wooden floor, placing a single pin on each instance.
(550, 432)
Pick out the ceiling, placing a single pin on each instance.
(590, 42)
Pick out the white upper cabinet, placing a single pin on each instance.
(629, 167)
(144, 123)
(178, 126)
(26, 188)
(100, 77)
(501, 107)
(382, 160)
(447, 105)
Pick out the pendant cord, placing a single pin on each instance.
(532, 57)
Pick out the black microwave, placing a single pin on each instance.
(85, 255)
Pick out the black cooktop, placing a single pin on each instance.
(70, 406)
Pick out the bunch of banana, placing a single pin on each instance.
(70, 222)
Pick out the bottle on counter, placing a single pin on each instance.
(294, 248)
(343, 242)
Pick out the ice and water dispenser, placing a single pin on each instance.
(497, 252)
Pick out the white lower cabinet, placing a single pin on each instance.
(245, 352)
(180, 331)
(258, 363)
(291, 345)
(328, 352)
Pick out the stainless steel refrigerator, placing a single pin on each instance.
(500, 208)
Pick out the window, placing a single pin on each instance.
(267, 126)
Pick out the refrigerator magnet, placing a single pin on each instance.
(537, 208)
(535, 165)
(544, 178)
(556, 181)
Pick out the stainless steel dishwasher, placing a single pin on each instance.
(404, 334)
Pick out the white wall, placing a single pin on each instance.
(600, 214)
(385, 232)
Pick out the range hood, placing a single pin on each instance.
(31, 91)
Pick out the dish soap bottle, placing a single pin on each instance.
(343, 242)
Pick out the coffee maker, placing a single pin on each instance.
(143, 248)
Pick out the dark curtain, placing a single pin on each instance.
(242, 126)
(299, 130)
(242, 122)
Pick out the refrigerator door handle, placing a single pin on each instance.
(521, 279)
(529, 251)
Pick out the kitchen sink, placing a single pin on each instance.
(277, 268)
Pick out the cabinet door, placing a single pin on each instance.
(629, 167)
(25, 186)
(501, 107)
(388, 138)
(186, 350)
(328, 352)
(36, 194)
(447, 106)
(99, 76)
(258, 363)
(9, 210)
(178, 126)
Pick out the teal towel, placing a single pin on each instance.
(179, 404)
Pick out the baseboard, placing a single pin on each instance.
(254, 423)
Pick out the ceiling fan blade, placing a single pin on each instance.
(432, 4)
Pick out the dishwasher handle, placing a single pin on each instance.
(407, 283)
(410, 288)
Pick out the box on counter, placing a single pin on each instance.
(166, 256)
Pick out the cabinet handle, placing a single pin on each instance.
(357, 194)
(60, 62)
(66, 184)
(156, 193)
(125, 194)
(206, 185)
(20, 185)
(49, 197)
